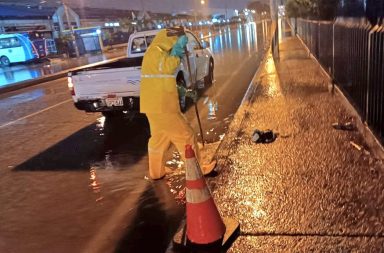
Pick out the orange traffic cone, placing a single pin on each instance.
(204, 224)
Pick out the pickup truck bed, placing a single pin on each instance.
(120, 63)
(109, 87)
(114, 87)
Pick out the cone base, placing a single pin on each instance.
(232, 229)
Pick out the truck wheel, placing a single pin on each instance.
(5, 61)
(113, 114)
(182, 98)
(208, 80)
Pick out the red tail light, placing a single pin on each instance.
(71, 87)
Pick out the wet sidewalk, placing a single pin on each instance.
(315, 188)
(23, 72)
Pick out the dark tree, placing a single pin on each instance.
(374, 10)
(326, 9)
(313, 9)
(351, 8)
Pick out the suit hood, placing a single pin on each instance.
(163, 41)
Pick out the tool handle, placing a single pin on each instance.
(193, 87)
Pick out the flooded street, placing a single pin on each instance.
(76, 182)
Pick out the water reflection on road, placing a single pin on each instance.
(237, 51)
(88, 186)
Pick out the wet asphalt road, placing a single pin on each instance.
(74, 182)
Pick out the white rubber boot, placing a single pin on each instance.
(208, 168)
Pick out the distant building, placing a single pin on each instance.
(15, 19)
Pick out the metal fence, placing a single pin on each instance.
(352, 52)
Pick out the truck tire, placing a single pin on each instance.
(4, 61)
(113, 114)
(182, 100)
(208, 80)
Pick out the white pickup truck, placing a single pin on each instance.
(114, 87)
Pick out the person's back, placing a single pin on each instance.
(158, 92)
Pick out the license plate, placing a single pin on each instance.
(117, 101)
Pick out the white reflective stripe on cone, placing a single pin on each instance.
(193, 170)
(158, 76)
(195, 196)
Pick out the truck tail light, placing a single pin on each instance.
(70, 86)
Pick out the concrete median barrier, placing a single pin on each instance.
(52, 77)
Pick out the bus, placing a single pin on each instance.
(16, 48)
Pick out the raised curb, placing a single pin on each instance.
(236, 125)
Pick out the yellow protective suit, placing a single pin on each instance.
(159, 100)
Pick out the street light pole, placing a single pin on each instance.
(71, 28)
(226, 9)
(201, 26)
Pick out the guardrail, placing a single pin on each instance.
(352, 52)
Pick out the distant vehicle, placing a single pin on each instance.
(114, 87)
(41, 47)
(16, 48)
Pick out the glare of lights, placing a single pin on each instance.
(202, 2)
(98, 31)
(70, 83)
(158, 26)
(101, 122)
(190, 23)
(106, 24)
(253, 11)
(134, 23)
(116, 24)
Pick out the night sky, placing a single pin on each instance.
(167, 6)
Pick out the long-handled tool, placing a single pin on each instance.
(194, 88)
(178, 31)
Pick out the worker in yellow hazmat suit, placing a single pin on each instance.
(159, 100)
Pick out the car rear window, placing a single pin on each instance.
(140, 44)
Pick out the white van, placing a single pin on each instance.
(15, 48)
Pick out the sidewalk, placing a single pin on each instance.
(310, 190)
